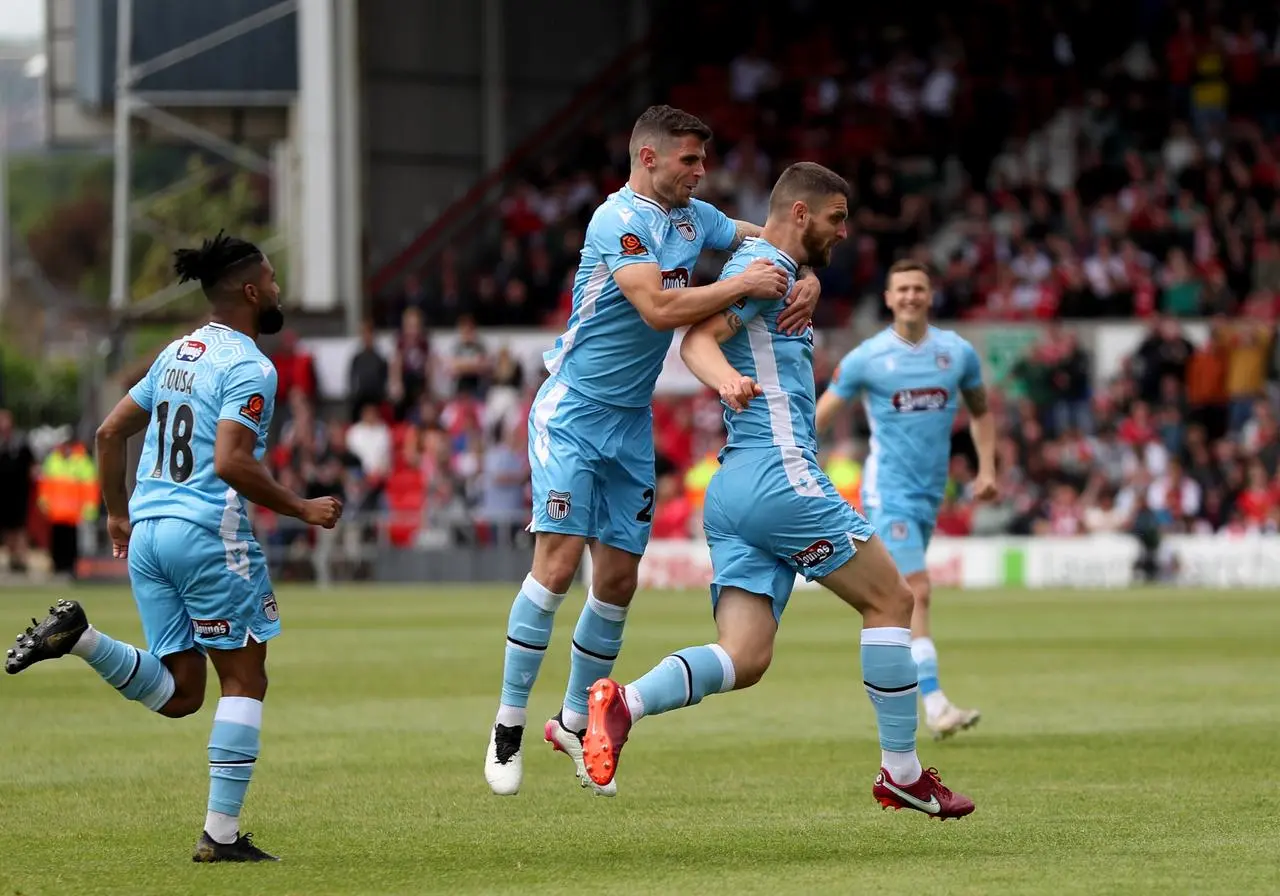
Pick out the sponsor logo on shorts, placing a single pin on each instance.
(686, 230)
(211, 628)
(253, 408)
(631, 245)
(814, 554)
(270, 608)
(558, 504)
(898, 530)
(929, 399)
(677, 279)
(191, 350)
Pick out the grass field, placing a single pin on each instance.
(1128, 746)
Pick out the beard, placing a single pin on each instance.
(817, 253)
(270, 321)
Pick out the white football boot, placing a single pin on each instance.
(504, 761)
(570, 743)
(952, 720)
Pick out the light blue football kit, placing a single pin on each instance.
(911, 394)
(770, 510)
(771, 513)
(199, 576)
(591, 451)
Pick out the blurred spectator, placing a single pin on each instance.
(369, 440)
(470, 363)
(367, 380)
(409, 369)
(295, 369)
(68, 496)
(504, 481)
(673, 513)
(17, 470)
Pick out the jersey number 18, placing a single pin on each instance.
(181, 461)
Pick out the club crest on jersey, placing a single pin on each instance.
(944, 360)
(211, 628)
(911, 400)
(814, 554)
(631, 245)
(686, 230)
(677, 279)
(898, 530)
(191, 350)
(252, 409)
(270, 608)
(558, 504)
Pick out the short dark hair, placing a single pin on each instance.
(806, 182)
(215, 259)
(906, 266)
(659, 122)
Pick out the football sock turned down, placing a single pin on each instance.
(136, 674)
(889, 675)
(681, 679)
(528, 632)
(597, 639)
(233, 751)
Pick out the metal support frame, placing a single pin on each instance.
(147, 105)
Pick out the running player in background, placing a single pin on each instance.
(771, 512)
(909, 376)
(199, 577)
(591, 426)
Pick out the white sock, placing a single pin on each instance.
(934, 704)
(512, 716)
(903, 768)
(635, 703)
(573, 720)
(222, 828)
(86, 643)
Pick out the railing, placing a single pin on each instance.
(460, 218)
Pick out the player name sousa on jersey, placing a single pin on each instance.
(176, 380)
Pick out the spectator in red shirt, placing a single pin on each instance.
(1257, 500)
(671, 518)
(295, 368)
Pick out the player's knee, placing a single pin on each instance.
(555, 562)
(615, 585)
(245, 683)
(892, 597)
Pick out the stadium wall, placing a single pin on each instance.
(1093, 561)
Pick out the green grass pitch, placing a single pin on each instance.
(1128, 745)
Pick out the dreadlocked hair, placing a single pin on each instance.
(213, 259)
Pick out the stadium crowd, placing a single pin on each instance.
(1158, 191)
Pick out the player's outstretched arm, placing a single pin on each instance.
(702, 354)
(126, 419)
(670, 309)
(235, 464)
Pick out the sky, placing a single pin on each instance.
(21, 18)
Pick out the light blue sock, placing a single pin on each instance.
(528, 633)
(234, 744)
(596, 641)
(926, 659)
(136, 674)
(681, 679)
(889, 674)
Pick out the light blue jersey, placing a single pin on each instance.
(782, 365)
(608, 353)
(770, 510)
(214, 374)
(199, 576)
(911, 394)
